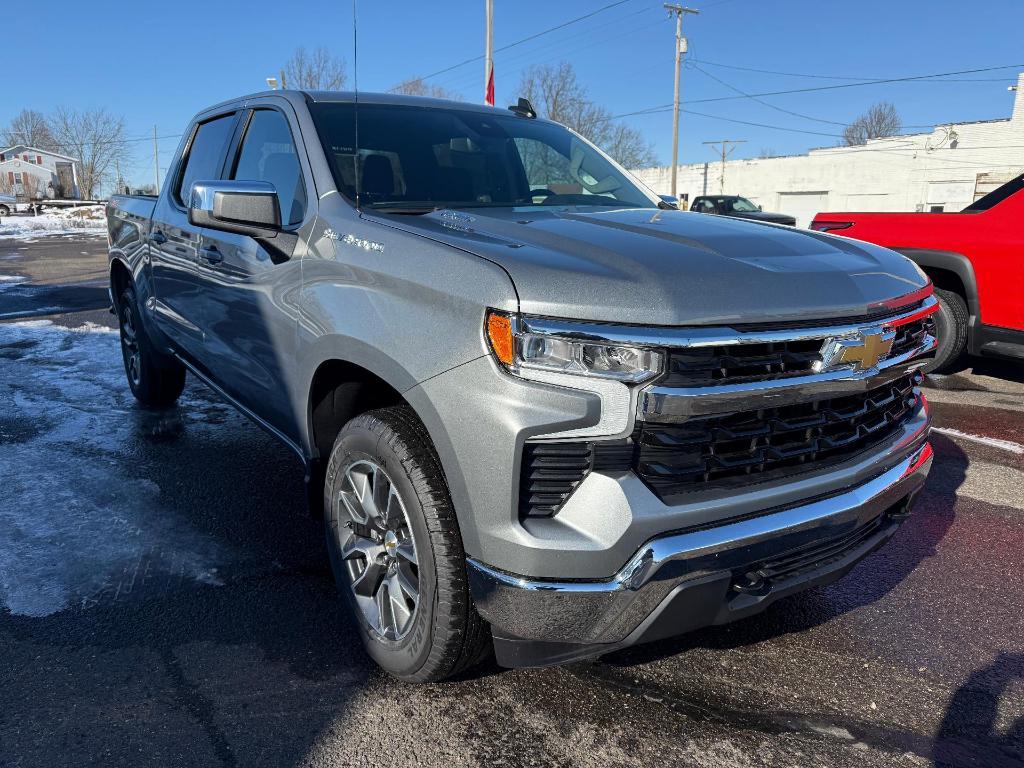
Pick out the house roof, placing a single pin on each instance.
(20, 148)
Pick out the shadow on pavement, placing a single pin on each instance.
(968, 736)
(24, 301)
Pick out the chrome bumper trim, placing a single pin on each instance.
(669, 404)
(659, 336)
(608, 611)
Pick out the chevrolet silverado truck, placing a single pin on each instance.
(973, 258)
(539, 412)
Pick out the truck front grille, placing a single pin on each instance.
(755, 446)
(767, 361)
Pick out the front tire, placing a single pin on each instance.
(156, 380)
(951, 329)
(396, 550)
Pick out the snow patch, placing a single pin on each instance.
(77, 523)
(84, 220)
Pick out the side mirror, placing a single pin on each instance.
(668, 202)
(244, 207)
(760, 208)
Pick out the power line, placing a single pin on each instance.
(818, 76)
(461, 80)
(528, 38)
(761, 125)
(762, 102)
(666, 107)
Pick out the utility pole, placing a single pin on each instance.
(489, 55)
(284, 83)
(678, 11)
(726, 151)
(156, 162)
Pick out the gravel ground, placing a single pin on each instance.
(165, 600)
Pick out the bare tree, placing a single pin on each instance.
(30, 128)
(316, 71)
(417, 86)
(32, 187)
(878, 122)
(558, 95)
(767, 152)
(97, 139)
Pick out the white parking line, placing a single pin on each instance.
(1004, 445)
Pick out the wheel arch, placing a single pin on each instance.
(341, 388)
(120, 278)
(950, 271)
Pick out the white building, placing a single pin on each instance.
(945, 169)
(35, 173)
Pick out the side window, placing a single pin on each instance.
(268, 154)
(206, 153)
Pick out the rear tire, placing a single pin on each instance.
(951, 329)
(156, 380)
(409, 544)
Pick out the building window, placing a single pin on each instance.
(937, 208)
(39, 159)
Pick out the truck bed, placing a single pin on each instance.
(128, 215)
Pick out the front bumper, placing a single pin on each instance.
(698, 577)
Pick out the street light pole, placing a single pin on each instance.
(677, 11)
(489, 55)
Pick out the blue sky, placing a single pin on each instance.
(157, 63)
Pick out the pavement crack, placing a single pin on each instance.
(833, 727)
(198, 706)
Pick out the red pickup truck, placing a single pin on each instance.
(975, 258)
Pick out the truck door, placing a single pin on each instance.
(249, 286)
(174, 241)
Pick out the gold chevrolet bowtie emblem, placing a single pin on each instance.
(862, 351)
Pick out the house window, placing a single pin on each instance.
(39, 159)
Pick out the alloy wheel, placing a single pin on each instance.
(130, 345)
(378, 550)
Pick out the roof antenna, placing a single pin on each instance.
(355, 85)
(524, 108)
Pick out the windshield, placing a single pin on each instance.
(415, 159)
(743, 205)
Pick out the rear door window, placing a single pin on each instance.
(206, 154)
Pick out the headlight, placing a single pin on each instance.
(517, 350)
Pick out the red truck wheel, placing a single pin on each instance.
(951, 329)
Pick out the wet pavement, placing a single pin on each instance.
(165, 600)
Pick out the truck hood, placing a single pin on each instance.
(774, 218)
(655, 267)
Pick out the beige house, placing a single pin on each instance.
(32, 173)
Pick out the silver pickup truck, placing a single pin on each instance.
(540, 410)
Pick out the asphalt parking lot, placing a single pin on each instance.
(165, 600)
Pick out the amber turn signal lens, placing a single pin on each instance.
(499, 332)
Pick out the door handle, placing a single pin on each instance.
(158, 238)
(212, 254)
